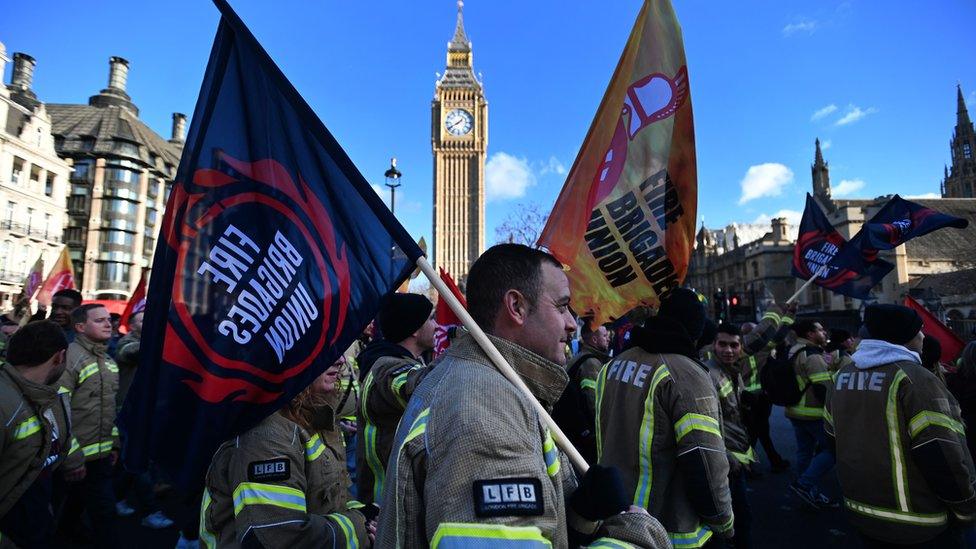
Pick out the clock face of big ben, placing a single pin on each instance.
(458, 122)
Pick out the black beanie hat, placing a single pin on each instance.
(685, 307)
(403, 314)
(892, 323)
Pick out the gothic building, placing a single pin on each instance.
(933, 267)
(960, 181)
(459, 139)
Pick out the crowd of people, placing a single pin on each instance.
(392, 447)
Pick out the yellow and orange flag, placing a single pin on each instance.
(60, 276)
(624, 222)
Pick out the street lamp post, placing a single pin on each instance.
(392, 181)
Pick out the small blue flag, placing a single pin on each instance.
(274, 254)
(818, 244)
(901, 220)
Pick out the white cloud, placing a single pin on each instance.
(826, 144)
(764, 180)
(807, 26)
(792, 217)
(853, 114)
(925, 195)
(847, 187)
(553, 166)
(507, 177)
(823, 112)
(972, 99)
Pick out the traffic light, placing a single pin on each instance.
(734, 301)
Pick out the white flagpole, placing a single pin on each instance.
(503, 366)
(820, 271)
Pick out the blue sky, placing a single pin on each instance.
(874, 80)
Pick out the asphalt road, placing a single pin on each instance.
(780, 519)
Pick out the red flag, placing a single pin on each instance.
(932, 327)
(59, 278)
(624, 222)
(445, 317)
(137, 303)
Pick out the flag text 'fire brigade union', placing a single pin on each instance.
(274, 254)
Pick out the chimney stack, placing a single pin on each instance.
(23, 73)
(179, 128)
(118, 73)
(114, 95)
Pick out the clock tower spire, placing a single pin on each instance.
(459, 141)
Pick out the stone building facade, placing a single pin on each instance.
(922, 265)
(459, 139)
(33, 180)
(122, 175)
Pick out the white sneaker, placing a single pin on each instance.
(122, 509)
(184, 543)
(157, 521)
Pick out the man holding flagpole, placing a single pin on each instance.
(472, 461)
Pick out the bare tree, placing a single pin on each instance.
(522, 225)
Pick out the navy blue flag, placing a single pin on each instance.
(898, 221)
(819, 244)
(274, 254)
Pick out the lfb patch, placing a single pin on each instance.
(272, 469)
(508, 497)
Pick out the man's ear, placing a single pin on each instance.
(515, 307)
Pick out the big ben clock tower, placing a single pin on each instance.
(459, 138)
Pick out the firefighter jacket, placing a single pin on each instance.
(35, 433)
(127, 357)
(811, 372)
(278, 485)
(902, 458)
(659, 421)
(91, 380)
(757, 344)
(837, 359)
(386, 390)
(349, 390)
(475, 466)
(728, 385)
(590, 361)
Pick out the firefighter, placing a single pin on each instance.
(282, 483)
(407, 323)
(902, 457)
(575, 413)
(659, 421)
(91, 380)
(473, 464)
(35, 435)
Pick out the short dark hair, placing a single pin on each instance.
(586, 330)
(35, 343)
(80, 314)
(70, 293)
(804, 326)
(501, 268)
(728, 329)
(115, 316)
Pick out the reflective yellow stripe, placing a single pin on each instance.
(418, 427)
(460, 535)
(692, 422)
(828, 417)
(348, 530)
(256, 493)
(551, 454)
(27, 428)
(745, 458)
(353, 504)
(819, 377)
(314, 448)
(369, 432)
(642, 495)
(208, 539)
(115, 431)
(898, 473)
(926, 419)
(936, 519)
(74, 446)
(690, 540)
(63, 391)
(87, 372)
(112, 367)
(96, 448)
(399, 381)
(587, 383)
(601, 383)
(725, 389)
(773, 316)
(786, 320)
